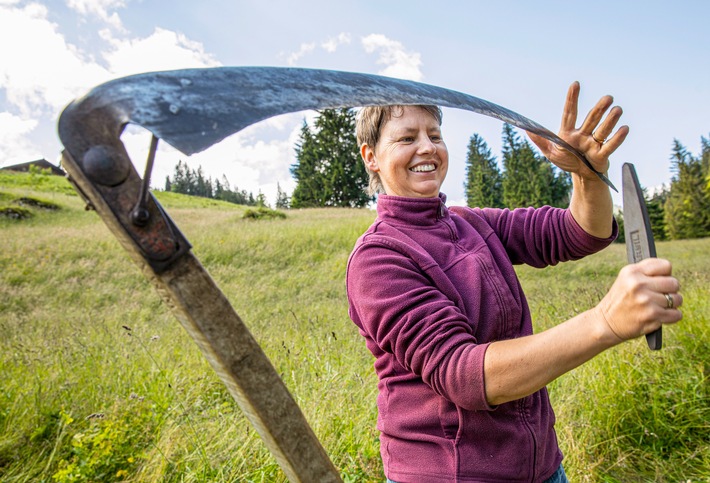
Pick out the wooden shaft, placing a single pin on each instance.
(231, 350)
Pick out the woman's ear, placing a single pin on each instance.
(368, 156)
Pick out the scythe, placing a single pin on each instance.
(192, 110)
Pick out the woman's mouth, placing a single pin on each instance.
(423, 168)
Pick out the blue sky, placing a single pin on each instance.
(652, 56)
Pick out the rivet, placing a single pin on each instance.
(105, 166)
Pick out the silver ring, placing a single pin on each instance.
(669, 301)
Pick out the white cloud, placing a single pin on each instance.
(303, 50)
(14, 146)
(332, 44)
(41, 73)
(399, 63)
(162, 50)
(99, 9)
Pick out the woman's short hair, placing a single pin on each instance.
(369, 124)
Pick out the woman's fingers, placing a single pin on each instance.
(595, 116)
(569, 113)
(644, 296)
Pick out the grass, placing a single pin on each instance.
(100, 383)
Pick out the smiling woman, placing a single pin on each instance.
(410, 157)
(433, 290)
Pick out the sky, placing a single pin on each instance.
(652, 56)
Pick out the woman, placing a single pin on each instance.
(461, 376)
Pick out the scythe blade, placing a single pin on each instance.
(193, 109)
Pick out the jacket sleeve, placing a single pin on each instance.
(540, 236)
(400, 311)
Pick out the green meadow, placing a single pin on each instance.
(100, 383)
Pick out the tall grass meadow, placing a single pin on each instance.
(99, 382)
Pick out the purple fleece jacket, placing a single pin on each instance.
(430, 288)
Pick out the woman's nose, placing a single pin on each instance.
(426, 146)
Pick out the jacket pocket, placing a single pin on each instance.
(448, 418)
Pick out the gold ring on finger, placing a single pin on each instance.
(669, 301)
(600, 141)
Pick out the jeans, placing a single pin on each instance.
(558, 477)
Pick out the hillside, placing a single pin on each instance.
(100, 382)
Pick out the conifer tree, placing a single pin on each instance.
(705, 163)
(522, 186)
(309, 188)
(484, 182)
(328, 170)
(261, 200)
(514, 190)
(282, 201)
(656, 214)
(687, 209)
(529, 178)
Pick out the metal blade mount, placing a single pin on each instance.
(193, 109)
(637, 230)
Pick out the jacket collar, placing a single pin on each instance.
(414, 211)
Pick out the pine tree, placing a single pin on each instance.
(484, 183)
(180, 183)
(203, 186)
(282, 201)
(346, 177)
(261, 200)
(513, 183)
(561, 186)
(309, 189)
(521, 182)
(687, 209)
(529, 178)
(328, 171)
(656, 214)
(705, 163)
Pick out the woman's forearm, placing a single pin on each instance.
(516, 368)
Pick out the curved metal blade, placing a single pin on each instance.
(637, 230)
(193, 109)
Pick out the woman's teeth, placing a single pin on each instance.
(423, 168)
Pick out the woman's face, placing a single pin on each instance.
(411, 156)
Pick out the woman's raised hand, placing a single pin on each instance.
(595, 137)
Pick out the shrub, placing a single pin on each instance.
(263, 212)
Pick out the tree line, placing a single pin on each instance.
(681, 210)
(194, 183)
(329, 173)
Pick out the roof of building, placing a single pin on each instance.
(40, 163)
